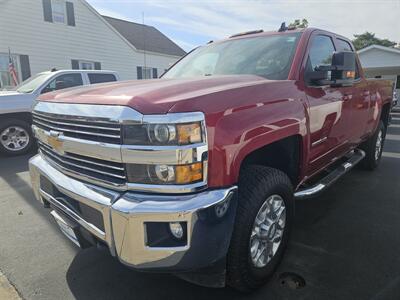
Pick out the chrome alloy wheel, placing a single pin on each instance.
(14, 138)
(378, 145)
(267, 231)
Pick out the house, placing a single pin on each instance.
(381, 62)
(71, 34)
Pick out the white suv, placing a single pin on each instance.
(15, 106)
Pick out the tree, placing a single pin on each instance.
(299, 24)
(368, 38)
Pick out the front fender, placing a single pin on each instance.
(249, 128)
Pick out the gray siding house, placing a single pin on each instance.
(71, 34)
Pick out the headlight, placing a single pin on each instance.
(163, 134)
(165, 174)
(174, 150)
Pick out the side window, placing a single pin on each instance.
(63, 82)
(99, 78)
(321, 51)
(343, 45)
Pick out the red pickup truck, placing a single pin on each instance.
(196, 173)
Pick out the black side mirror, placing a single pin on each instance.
(341, 71)
(344, 68)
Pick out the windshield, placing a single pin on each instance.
(29, 85)
(266, 56)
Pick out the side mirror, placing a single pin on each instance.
(344, 68)
(341, 72)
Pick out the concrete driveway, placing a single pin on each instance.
(345, 245)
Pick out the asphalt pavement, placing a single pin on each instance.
(345, 245)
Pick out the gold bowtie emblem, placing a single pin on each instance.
(54, 141)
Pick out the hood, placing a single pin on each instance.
(12, 101)
(154, 96)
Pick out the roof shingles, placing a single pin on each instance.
(144, 37)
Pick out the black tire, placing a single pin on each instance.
(371, 161)
(256, 184)
(17, 123)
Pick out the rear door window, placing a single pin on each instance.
(100, 78)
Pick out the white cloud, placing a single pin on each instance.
(221, 18)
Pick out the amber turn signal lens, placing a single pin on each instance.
(189, 173)
(189, 133)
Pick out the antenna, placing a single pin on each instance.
(144, 46)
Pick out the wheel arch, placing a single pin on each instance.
(283, 154)
(24, 116)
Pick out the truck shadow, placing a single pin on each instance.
(94, 274)
(333, 242)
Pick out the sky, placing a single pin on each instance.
(191, 23)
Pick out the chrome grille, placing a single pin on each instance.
(81, 128)
(96, 169)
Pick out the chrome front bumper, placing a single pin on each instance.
(209, 216)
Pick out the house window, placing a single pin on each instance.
(78, 64)
(86, 65)
(146, 73)
(6, 80)
(58, 11)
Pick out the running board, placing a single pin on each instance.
(331, 178)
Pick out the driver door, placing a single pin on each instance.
(330, 110)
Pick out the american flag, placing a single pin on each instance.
(11, 68)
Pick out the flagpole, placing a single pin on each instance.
(11, 68)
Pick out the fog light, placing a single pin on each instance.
(176, 229)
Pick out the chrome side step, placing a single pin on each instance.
(331, 178)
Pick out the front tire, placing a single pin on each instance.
(264, 218)
(373, 148)
(16, 137)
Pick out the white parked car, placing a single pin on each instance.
(15, 106)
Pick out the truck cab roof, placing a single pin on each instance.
(57, 72)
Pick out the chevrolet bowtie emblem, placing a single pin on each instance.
(54, 141)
